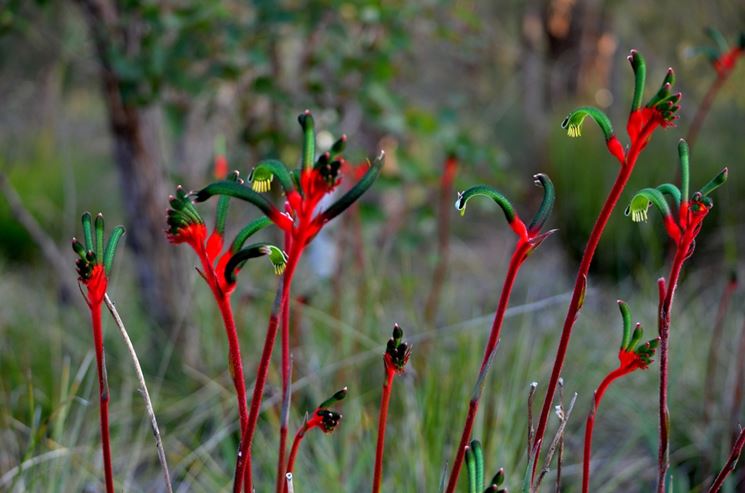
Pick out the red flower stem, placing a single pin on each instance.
(235, 361)
(729, 466)
(244, 455)
(703, 109)
(444, 207)
(663, 459)
(295, 245)
(103, 393)
(714, 345)
(617, 373)
(293, 452)
(580, 282)
(384, 401)
(518, 256)
(286, 377)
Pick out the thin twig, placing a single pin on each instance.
(560, 457)
(531, 430)
(49, 249)
(143, 391)
(563, 420)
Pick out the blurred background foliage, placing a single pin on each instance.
(106, 105)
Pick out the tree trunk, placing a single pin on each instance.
(143, 185)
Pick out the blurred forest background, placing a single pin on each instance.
(107, 105)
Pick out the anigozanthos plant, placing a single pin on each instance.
(683, 226)
(322, 418)
(660, 111)
(633, 355)
(475, 468)
(219, 269)
(723, 58)
(94, 269)
(301, 220)
(529, 237)
(397, 353)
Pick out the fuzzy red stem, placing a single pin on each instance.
(235, 361)
(729, 466)
(103, 393)
(580, 283)
(663, 459)
(714, 345)
(295, 244)
(703, 109)
(384, 400)
(286, 371)
(293, 452)
(617, 373)
(518, 257)
(258, 393)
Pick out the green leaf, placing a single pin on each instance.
(485, 191)
(355, 192)
(714, 183)
(223, 204)
(640, 203)
(626, 316)
(255, 250)
(573, 122)
(471, 469)
(547, 204)
(683, 158)
(670, 190)
(111, 246)
(242, 192)
(478, 454)
(639, 66)
(247, 231)
(87, 231)
(99, 225)
(716, 36)
(309, 139)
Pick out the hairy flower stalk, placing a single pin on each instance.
(185, 225)
(94, 269)
(529, 237)
(660, 111)
(729, 466)
(396, 356)
(723, 59)
(324, 419)
(683, 226)
(300, 220)
(632, 356)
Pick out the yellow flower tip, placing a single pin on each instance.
(262, 186)
(639, 215)
(574, 130)
(279, 269)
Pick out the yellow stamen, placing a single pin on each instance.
(574, 130)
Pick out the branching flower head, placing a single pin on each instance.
(659, 111)
(722, 56)
(95, 257)
(324, 418)
(304, 188)
(397, 352)
(527, 234)
(685, 223)
(219, 269)
(634, 355)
